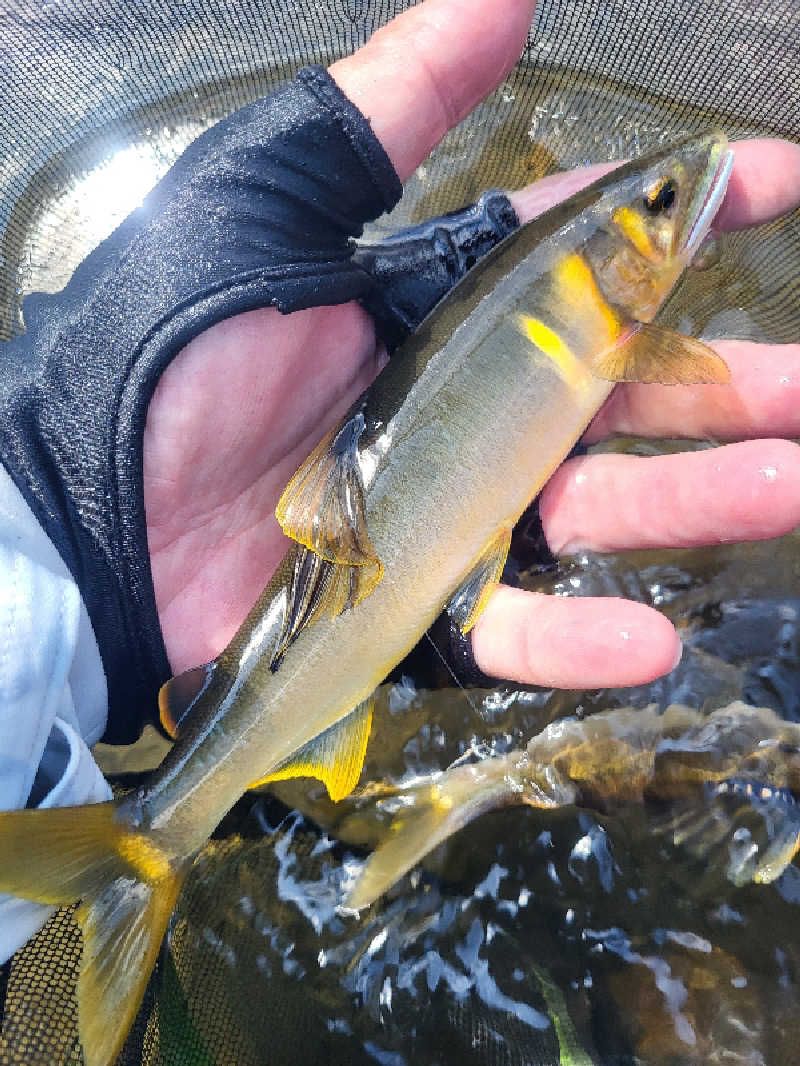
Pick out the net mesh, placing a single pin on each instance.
(97, 98)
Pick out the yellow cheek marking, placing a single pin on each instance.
(571, 371)
(633, 229)
(578, 288)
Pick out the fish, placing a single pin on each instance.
(709, 765)
(404, 508)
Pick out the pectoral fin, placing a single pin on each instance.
(322, 507)
(180, 694)
(335, 756)
(650, 353)
(472, 595)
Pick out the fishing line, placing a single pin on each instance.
(480, 750)
(451, 672)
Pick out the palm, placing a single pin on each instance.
(242, 405)
(220, 447)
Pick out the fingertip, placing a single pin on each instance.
(579, 643)
(426, 69)
(737, 492)
(768, 503)
(560, 505)
(763, 185)
(538, 197)
(669, 643)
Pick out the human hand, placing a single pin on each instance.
(218, 451)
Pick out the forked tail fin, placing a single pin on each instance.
(127, 884)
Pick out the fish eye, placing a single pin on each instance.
(661, 198)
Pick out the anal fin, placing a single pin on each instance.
(468, 601)
(334, 756)
(650, 353)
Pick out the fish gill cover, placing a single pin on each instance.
(534, 937)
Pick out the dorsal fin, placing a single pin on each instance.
(323, 508)
(177, 697)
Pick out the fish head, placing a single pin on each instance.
(659, 210)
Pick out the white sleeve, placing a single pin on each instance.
(53, 701)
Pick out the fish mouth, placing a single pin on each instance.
(712, 200)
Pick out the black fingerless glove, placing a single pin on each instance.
(415, 268)
(260, 210)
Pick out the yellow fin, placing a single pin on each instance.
(335, 756)
(322, 507)
(33, 845)
(348, 586)
(655, 354)
(178, 695)
(128, 885)
(467, 603)
(779, 854)
(122, 933)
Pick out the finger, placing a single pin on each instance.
(427, 69)
(747, 491)
(576, 643)
(545, 193)
(764, 184)
(763, 400)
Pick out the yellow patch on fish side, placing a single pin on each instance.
(441, 801)
(571, 371)
(579, 290)
(633, 228)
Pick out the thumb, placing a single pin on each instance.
(424, 71)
